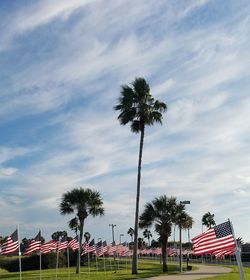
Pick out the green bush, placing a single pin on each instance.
(32, 262)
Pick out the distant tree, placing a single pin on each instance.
(141, 243)
(240, 241)
(87, 236)
(131, 233)
(82, 202)
(147, 234)
(155, 243)
(58, 235)
(208, 220)
(183, 220)
(138, 107)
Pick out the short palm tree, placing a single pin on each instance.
(208, 220)
(138, 107)
(131, 233)
(87, 236)
(147, 234)
(162, 213)
(58, 235)
(82, 202)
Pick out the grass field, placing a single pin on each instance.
(146, 269)
(234, 275)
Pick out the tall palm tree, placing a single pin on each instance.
(208, 220)
(161, 212)
(147, 234)
(82, 202)
(138, 107)
(131, 233)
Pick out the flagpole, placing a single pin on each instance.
(68, 262)
(237, 254)
(40, 259)
(57, 257)
(40, 254)
(19, 253)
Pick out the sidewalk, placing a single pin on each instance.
(203, 271)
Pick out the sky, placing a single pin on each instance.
(62, 66)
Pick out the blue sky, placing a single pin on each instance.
(62, 65)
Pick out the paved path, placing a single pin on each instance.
(203, 272)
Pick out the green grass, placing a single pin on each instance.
(234, 275)
(145, 269)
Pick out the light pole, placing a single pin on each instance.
(180, 258)
(113, 235)
(121, 237)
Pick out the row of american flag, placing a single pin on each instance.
(218, 241)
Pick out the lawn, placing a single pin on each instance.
(146, 269)
(234, 275)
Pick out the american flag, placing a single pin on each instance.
(48, 247)
(104, 247)
(62, 244)
(216, 238)
(85, 247)
(221, 253)
(11, 244)
(92, 246)
(74, 243)
(111, 248)
(99, 249)
(35, 245)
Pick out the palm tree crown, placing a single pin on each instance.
(208, 220)
(138, 107)
(147, 234)
(82, 202)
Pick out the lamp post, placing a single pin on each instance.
(113, 235)
(180, 258)
(121, 237)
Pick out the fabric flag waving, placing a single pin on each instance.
(92, 246)
(218, 237)
(48, 247)
(11, 244)
(74, 244)
(35, 245)
(63, 244)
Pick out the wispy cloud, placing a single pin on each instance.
(66, 62)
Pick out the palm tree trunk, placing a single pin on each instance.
(135, 248)
(164, 256)
(80, 248)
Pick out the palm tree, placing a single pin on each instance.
(141, 243)
(82, 202)
(161, 212)
(138, 107)
(87, 236)
(131, 233)
(208, 220)
(147, 234)
(74, 225)
(58, 235)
